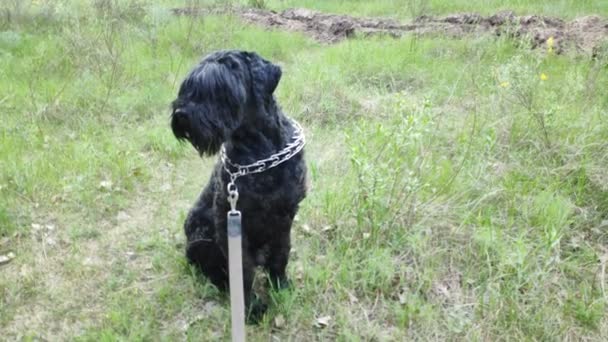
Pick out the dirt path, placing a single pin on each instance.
(66, 277)
(582, 35)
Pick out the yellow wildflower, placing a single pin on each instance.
(543, 76)
(550, 44)
(504, 84)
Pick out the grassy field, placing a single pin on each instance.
(459, 188)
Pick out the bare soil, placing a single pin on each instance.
(581, 35)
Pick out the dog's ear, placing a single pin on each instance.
(266, 75)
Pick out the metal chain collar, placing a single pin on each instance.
(294, 147)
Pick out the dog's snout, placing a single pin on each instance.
(180, 122)
(179, 112)
(181, 117)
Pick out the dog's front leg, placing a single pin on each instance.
(254, 307)
(277, 262)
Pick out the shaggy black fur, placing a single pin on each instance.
(228, 99)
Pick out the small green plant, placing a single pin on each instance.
(133, 10)
(389, 161)
(260, 4)
(418, 8)
(522, 82)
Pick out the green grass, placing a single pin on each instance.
(455, 194)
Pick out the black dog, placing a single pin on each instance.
(228, 99)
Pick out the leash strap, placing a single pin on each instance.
(235, 254)
(235, 267)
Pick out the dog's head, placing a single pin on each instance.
(218, 94)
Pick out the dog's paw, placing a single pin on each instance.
(256, 311)
(279, 284)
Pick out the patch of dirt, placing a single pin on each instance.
(582, 35)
